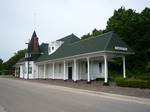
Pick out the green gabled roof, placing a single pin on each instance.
(44, 48)
(69, 39)
(115, 41)
(104, 42)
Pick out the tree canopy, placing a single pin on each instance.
(94, 33)
(1, 61)
(8, 65)
(134, 29)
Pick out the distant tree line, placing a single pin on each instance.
(8, 66)
(134, 29)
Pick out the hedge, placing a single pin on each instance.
(132, 83)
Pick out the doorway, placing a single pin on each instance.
(69, 72)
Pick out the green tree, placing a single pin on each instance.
(1, 61)
(8, 65)
(86, 36)
(134, 29)
(96, 32)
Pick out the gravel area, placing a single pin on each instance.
(97, 86)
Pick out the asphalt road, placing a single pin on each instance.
(24, 96)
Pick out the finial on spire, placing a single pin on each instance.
(34, 21)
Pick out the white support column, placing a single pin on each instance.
(33, 69)
(64, 70)
(38, 71)
(106, 69)
(53, 70)
(44, 71)
(75, 70)
(26, 76)
(88, 70)
(15, 72)
(79, 71)
(124, 67)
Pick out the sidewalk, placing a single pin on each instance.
(98, 87)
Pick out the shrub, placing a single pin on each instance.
(143, 76)
(135, 83)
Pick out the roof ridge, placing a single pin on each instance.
(92, 37)
(102, 34)
(65, 37)
(108, 40)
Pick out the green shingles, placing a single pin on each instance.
(115, 41)
(44, 48)
(69, 39)
(104, 42)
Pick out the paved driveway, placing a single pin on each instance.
(24, 96)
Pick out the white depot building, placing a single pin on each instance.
(71, 58)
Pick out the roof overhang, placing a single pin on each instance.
(111, 54)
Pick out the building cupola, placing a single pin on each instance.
(33, 50)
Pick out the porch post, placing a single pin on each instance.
(53, 70)
(15, 72)
(75, 69)
(44, 71)
(106, 70)
(64, 70)
(88, 70)
(27, 70)
(38, 71)
(124, 67)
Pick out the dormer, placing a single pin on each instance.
(53, 46)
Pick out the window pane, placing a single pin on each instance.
(30, 70)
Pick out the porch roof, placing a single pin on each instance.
(108, 42)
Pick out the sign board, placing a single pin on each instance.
(121, 48)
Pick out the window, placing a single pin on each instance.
(52, 48)
(60, 68)
(18, 70)
(49, 49)
(100, 67)
(30, 70)
(27, 55)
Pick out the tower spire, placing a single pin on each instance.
(34, 34)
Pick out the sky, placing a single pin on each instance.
(54, 19)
